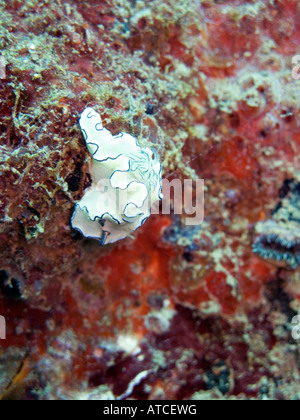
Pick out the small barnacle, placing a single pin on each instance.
(126, 182)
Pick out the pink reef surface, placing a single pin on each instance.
(176, 311)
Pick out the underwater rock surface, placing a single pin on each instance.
(175, 312)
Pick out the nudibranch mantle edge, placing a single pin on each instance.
(126, 183)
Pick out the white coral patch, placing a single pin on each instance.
(126, 182)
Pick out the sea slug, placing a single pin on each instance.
(126, 183)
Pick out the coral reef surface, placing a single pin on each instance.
(175, 311)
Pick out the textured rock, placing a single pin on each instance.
(176, 311)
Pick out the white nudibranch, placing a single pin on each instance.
(126, 182)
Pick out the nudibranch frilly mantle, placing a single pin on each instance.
(126, 182)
